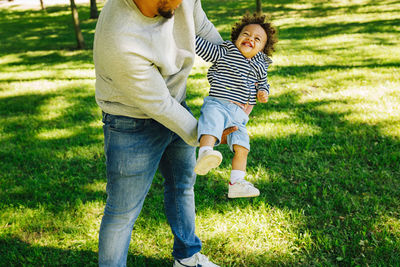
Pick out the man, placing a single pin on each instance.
(143, 53)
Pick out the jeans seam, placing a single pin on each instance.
(178, 211)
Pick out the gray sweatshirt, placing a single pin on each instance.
(142, 63)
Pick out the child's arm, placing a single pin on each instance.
(262, 90)
(208, 51)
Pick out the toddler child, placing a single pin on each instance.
(237, 77)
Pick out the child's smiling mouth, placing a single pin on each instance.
(248, 44)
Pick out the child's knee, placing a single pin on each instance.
(238, 149)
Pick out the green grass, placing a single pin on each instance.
(325, 149)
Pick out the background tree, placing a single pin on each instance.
(78, 33)
(258, 6)
(42, 5)
(94, 14)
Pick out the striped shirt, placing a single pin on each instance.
(232, 76)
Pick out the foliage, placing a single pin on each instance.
(325, 149)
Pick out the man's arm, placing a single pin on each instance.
(203, 27)
(144, 86)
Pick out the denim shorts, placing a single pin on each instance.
(219, 114)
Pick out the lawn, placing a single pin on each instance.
(325, 150)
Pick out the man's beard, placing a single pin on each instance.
(166, 13)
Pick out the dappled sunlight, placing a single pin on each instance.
(55, 74)
(65, 133)
(391, 129)
(56, 134)
(45, 228)
(198, 101)
(55, 107)
(97, 123)
(95, 186)
(366, 12)
(270, 130)
(375, 104)
(324, 149)
(262, 230)
(389, 223)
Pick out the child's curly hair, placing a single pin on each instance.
(260, 20)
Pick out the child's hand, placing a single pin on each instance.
(262, 96)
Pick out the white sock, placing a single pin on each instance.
(237, 175)
(204, 149)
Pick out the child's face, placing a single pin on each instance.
(251, 40)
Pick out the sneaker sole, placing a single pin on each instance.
(207, 163)
(236, 195)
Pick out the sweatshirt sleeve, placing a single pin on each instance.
(203, 27)
(143, 85)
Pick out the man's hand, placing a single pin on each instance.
(226, 132)
(262, 96)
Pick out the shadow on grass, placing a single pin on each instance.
(37, 167)
(305, 70)
(226, 13)
(20, 253)
(25, 104)
(36, 62)
(345, 178)
(33, 30)
(325, 30)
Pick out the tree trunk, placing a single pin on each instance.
(258, 6)
(42, 5)
(94, 14)
(79, 37)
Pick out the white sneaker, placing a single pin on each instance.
(208, 160)
(242, 188)
(197, 260)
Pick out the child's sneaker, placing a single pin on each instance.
(242, 188)
(208, 160)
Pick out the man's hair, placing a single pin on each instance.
(261, 20)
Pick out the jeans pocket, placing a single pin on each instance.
(123, 124)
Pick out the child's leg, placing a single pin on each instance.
(238, 186)
(207, 140)
(208, 158)
(239, 163)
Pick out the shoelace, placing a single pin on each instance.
(244, 182)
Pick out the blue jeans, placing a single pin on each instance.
(219, 114)
(134, 149)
